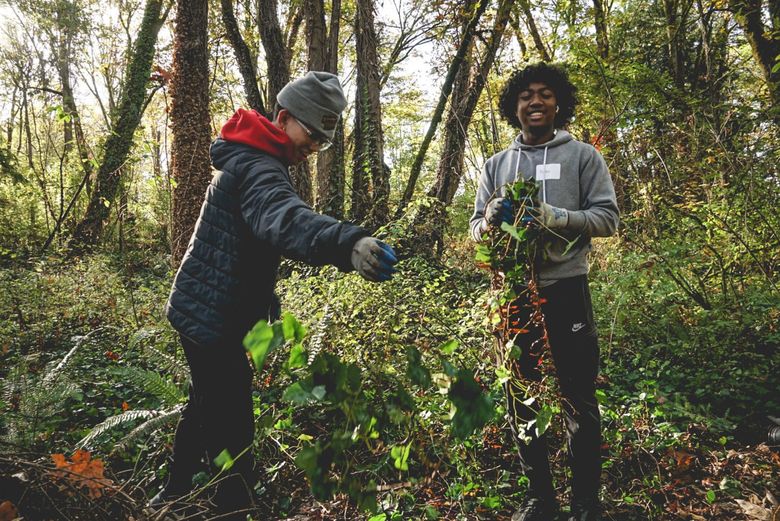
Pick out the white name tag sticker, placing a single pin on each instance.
(549, 171)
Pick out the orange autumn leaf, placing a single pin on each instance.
(82, 471)
(125, 406)
(8, 511)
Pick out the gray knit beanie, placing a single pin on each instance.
(316, 99)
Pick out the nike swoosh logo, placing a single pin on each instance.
(576, 327)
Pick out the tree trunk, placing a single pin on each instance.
(276, 54)
(190, 163)
(125, 121)
(369, 150)
(246, 64)
(465, 96)
(323, 56)
(541, 48)
(456, 63)
(765, 48)
(600, 23)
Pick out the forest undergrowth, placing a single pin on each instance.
(93, 381)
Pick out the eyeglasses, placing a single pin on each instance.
(323, 142)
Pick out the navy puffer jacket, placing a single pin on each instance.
(251, 217)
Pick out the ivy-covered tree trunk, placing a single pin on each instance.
(600, 24)
(246, 63)
(190, 163)
(323, 56)
(764, 42)
(369, 148)
(125, 120)
(277, 55)
(528, 15)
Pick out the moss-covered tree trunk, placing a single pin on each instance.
(369, 149)
(323, 56)
(764, 41)
(125, 120)
(190, 164)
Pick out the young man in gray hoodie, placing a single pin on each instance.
(576, 200)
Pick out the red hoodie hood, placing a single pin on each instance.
(252, 128)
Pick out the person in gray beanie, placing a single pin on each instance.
(251, 217)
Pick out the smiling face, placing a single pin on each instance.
(303, 142)
(536, 106)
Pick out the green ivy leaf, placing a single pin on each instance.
(449, 346)
(473, 409)
(224, 460)
(262, 340)
(400, 455)
(543, 419)
(292, 329)
(519, 236)
(297, 357)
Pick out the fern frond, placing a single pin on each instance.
(318, 339)
(115, 421)
(177, 366)
(52, 375)
(152, 382)
(151, 425)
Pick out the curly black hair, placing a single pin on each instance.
(554, 77)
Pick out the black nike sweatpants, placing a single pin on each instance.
(568, 313)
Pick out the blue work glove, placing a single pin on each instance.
(373, 259)
(529, 207)
(498, 210)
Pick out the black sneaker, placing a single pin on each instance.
(590, 511)
(536, 509)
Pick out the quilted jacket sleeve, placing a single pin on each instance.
(276, 215)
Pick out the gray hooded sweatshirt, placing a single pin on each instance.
(572, 175)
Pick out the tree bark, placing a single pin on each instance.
(446, 89)
(369, 149)
(600, 23)
(541, 48)
(765, 48)
(243, 57)
(466, 92)
(125, 121)
(276, 54)
(190, 163)
(323, 56)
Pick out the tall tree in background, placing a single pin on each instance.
(277, 55)
(190, 164)
(124, 122)
(323, 45)
(369, 165)
(449, 80)
(765, 43)
(244, 58)
(467, 89)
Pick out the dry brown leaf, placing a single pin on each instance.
(8, 511)
(82, 471)
(753, 511)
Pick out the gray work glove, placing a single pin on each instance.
(498, 210)
(550, 216)
(373, 259)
